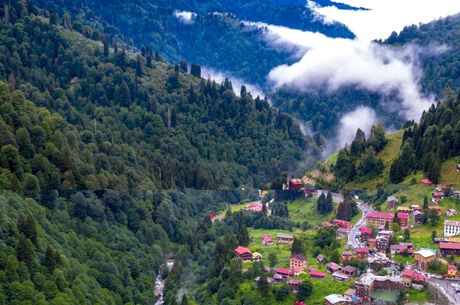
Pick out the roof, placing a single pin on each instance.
(392, 198)
(438, 194)
(314, 272)
(327, 224)
(342, 230)
(403, 216)
(285, 271)
(362, 250)
(283, 235)
(426, 181)
(365, 230)
(371, 240)
(426, 252)
(449, 246)
(332, 265)
(242, 250)
(336, 298)
(417, 212)
(267, 238)
(339, 274)
(256, 255)
(452, 267)
(295, 181)
(295, 281)
(349, 269)
(299, 256)
(436, 207)
(451, 223)
(320, 257)
(255, 206)
(212, 215)
(380, 215)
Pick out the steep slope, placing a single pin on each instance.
(102, 247)
(136, 122)
(217, 40)
(429, 149)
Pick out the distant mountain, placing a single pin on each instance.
(78, 114)
(438, 49)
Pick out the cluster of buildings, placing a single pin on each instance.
(246, 255)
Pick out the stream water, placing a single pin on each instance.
(160, 284)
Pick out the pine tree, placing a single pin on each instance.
(320, 204)
(243, 235)
(425, 203)
(344, 210)
(24, 251)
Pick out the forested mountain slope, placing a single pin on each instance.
(104, 247)
(219, 41)
(426, 150)
(126, 121)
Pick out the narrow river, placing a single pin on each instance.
(160, 284)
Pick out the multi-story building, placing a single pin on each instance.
(379, 219)
(423, 258)
(382, 243)
(451, 228)
(244, 253)
(298, 262)
(284, 238)
(337, 299)
(449, 248)
(370, 287)
(403, 219)
(366, 232)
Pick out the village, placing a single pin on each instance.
(387, 256)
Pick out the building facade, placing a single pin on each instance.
(451, 228)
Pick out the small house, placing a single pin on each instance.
(320, 258)
(340, 276)
(256, 257)
(327, 224)
(426, 181)
(294, 285)
(447, 249)
(362, 253)
(341, 223)
(295, 184)
(366, 232)
(437, 196)
(435, 207)
(285, 273)
(285, 238)
(451, 212)
(267, 240)
(315, 274)
(333, 267)
(418, 217)
(371, 242)
(392, 202)
(350, 271)
(244, 253)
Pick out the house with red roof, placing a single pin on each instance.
(333, 267)
(452, 272)
(212, 216)
(315, 274)
(403, 220)
(341, 223)
(295, 184)
(327, 224)
(410, 277)
(401, 247)
(244, 253)
(299, 303)
(379, 219)
(366, 232)
(435, 207)
(267, 240)
(255, 207)
(362, 253)
(284, 273)
(426, 181)
(437, 196)
(447, 248)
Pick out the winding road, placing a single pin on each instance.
(353, 233)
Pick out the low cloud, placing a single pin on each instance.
(362, 117)
(185, 17)
(220, 76)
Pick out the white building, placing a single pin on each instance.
(451, 228)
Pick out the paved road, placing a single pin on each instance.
(353, 233)
(447, 289)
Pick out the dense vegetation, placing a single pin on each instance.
(441, 65)
(359, 161)
(220, 41)
(118, 120)
(428, 143)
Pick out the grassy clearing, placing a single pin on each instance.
(303, 209)
(419, 297)
(283, 252)
(332, 159)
